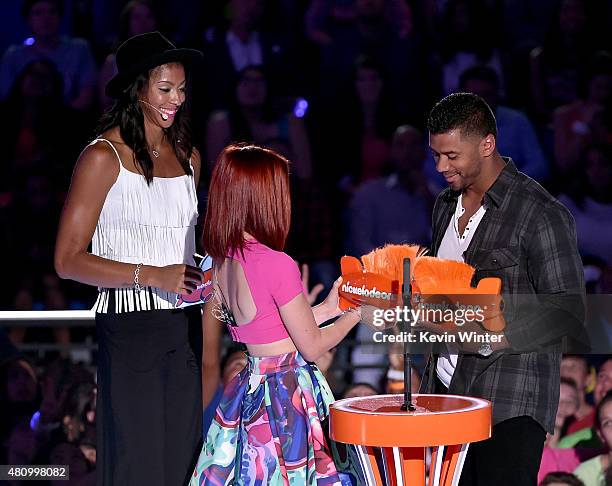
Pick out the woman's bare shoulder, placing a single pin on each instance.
(99, 159)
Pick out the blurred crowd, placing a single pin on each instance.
(340, 87)
(48, 417)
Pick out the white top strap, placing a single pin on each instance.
(112, 146)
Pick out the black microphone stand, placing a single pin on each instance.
(406, 300)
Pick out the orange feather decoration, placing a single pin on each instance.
(438, 276)
(389, 260)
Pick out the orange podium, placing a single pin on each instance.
(394, 442)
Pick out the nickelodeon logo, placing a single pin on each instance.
(364, 292)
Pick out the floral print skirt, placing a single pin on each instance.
(269, 428)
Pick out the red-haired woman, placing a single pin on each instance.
(267, 429)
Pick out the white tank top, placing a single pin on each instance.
(150, 224)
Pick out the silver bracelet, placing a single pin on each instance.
(137, 286)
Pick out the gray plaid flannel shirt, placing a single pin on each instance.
(528, 239)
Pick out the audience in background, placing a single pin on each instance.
(72, 57)
(578, 124)
(252, 117)
(556, 65)
(137, 17)
(593, 471)
(576, 368)
(19, 393)
(587, 436)
(359, 390)
(320, 13)
(38, 131)
(517, 137)
(366, 121)
(561, 479)
(369, 30)
(553, 458)
(45, 419)
(395, 208)
(467, 39)
(230, 48)
(590, 202)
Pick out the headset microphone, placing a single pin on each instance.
(163, 115)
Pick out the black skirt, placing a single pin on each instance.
(149, 405)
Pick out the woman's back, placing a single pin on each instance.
(254, 284)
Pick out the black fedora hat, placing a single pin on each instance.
(142, 52)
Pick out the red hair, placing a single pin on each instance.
(249, 192)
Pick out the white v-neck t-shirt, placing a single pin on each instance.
(452, 247)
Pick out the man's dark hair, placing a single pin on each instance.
(467, 112)
(479, 73)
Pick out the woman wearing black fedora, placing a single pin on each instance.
(133, 197)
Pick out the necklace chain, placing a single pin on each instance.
(156, 151)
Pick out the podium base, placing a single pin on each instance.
(394, 442)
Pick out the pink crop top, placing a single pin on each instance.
(274, 279)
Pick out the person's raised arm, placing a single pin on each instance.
(287, 290)
(95, 173)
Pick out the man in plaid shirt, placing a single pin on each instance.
(505, 225)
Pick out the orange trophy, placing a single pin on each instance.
(394, 431)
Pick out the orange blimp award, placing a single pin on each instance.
(394, 431)
(378, 278)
